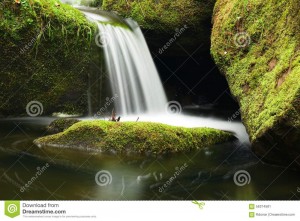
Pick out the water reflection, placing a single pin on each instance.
(208, 173)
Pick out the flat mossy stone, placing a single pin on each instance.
(133, 137)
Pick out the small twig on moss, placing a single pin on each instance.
(113, 116)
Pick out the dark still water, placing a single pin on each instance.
(223, 172)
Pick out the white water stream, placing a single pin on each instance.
(133, 77)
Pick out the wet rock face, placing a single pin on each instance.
(258, 52)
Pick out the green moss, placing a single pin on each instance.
(164, 18)
(45, 55)
(265, 75)
(135, 137)
(60, 125)
(164, 15)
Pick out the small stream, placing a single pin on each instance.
(70, 175)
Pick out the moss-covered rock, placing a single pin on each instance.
(164, 15)
(133, 137)
(165, 18)
(45, 48)
(256, 44)
(59, 125)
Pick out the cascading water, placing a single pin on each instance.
(134, 78)
(133, 75)
(132, 72)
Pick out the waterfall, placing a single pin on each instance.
(133, 77)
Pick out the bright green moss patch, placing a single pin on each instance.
(163, 15)
(265, 75)
(45, 55)
(134, 137)
(164, 18)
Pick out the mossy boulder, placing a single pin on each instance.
(165, 18)
(256, 44)
(45, 55)
(164, 15)
(133, 137)
(59, 125)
